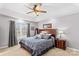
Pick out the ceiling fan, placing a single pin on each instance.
(36, 9)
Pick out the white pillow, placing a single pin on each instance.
(45, 36)
(38, 36)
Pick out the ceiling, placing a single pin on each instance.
(54, 10)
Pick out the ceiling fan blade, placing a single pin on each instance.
(41, 11)
(34, 7)
(29, 12)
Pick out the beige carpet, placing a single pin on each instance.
(17, 51)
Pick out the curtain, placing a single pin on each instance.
(12, 37)
(28, 30)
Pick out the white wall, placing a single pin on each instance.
(70, 24)
(4, 31)
(1, 5)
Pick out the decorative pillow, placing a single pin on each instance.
(38, 36)
(45, 36)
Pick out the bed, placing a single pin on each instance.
(37, 46)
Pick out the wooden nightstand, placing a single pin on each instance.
(60, 43)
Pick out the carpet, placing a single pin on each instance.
(17, 51)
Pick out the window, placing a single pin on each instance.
(21, 29)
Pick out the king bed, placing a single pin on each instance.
(39, 44)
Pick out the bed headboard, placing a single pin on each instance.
(50, 31)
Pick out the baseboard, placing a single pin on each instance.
(3, 47)
(73, 49)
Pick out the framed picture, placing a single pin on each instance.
(47, 26)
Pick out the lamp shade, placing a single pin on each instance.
(60, 32)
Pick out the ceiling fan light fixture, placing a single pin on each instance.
(37, 13)
(37, 9)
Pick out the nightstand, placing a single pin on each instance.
(60, 43)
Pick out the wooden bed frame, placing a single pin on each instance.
(51, 31)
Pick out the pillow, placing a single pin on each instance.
(45, 36)
(52, 35)
(38, 36)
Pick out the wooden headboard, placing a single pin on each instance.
(50, 31)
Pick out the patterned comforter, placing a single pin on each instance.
(37, 45)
